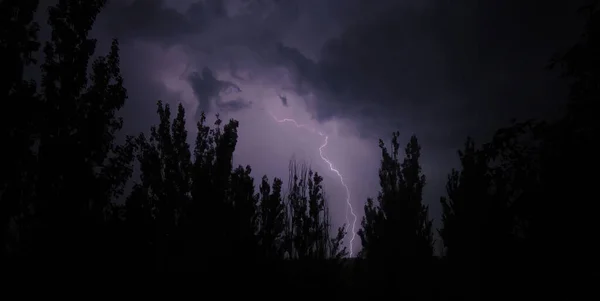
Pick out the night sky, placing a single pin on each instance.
(355, 70)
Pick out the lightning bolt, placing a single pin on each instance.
(333, 169)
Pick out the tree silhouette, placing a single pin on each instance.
(73, 168)
(211, 181)
(18, 43)
(559, 215)
(308, 222)
(272, 219)
(463, 217)
(466, 191)
(308, 238)
(165, 164)
(396, 232)
(244, 221)
(484, 227)
(203, 209)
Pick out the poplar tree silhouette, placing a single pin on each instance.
(272, 219)
(317, 255)
(71, 167)
(184, 212)
(308, 232)
(396, 232)
(18, 43)
(463, 217)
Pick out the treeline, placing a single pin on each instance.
(515, 217)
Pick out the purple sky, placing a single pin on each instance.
(355, 70)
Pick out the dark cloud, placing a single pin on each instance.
(284, 101)
(234, 105)
(153, 20)
(471, 64)
(207, 87)
(404, 64)
(143, 89)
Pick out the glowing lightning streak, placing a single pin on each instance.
(332, 168)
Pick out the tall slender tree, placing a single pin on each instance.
(272, 218)
(396, 232)
(18, 44)
(79, 168)
(309, 225)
